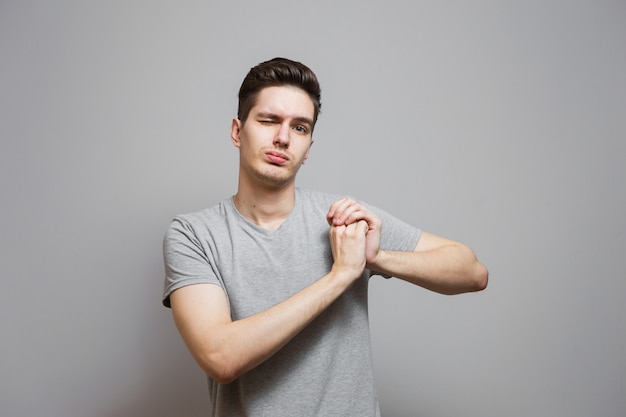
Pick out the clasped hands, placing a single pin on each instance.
(354, 235)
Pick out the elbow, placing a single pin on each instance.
(223, 376)
(474, 280)
(220, 368)
(476, 275)
(480, 277)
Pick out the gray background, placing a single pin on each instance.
(499, 124)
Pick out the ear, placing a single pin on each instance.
(235, 132)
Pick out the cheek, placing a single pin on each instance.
(306, 152)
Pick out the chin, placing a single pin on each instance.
(274, 181)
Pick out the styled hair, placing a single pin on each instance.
(274, 73)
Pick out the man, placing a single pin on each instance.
(269, 288)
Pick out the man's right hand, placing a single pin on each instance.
(348, 245)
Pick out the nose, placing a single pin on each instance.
(282, 136)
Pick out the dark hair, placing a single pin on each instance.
(273, 73)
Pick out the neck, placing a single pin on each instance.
(265, 207)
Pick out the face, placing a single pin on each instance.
(276, 137)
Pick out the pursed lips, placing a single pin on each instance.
(277, 157)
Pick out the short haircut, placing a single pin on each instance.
(274, 73)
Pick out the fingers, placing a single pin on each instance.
(361, 227)
(355, 230)
(348, 244)
(347, 211)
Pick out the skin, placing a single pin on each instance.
(273, 142)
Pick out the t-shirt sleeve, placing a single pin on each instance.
(187, 259)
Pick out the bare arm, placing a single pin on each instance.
(226, 349)
(437, 264)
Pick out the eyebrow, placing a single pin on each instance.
(298, 119)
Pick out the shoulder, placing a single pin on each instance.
(199, 222)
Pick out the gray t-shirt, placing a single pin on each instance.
(326, 370)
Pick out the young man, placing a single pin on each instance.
(269, 288)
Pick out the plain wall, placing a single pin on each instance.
(498, 124)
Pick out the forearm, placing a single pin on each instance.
(450, 269)
(235, 347)
(226, 349)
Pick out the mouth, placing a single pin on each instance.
(276, 157)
